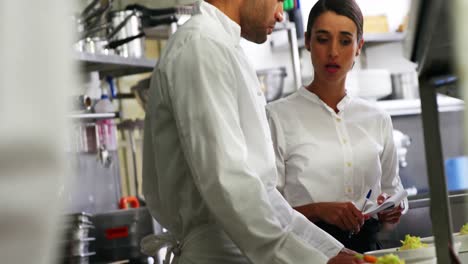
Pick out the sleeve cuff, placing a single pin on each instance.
(295, 250)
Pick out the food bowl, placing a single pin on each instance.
(420, 255)
(457, 237)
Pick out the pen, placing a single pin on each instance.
(367, 199)
(363, 206)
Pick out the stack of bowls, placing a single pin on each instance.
(77, 238)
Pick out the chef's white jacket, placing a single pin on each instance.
(324, 156)
(208, 154)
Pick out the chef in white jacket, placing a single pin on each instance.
(209, 166)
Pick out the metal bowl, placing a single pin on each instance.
(272, 82)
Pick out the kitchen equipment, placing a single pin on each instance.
(129, 201)
(81, 259)
(78, 232)
(118, 234)
(372, 84)
(78, 247)
(405, 85)
(76, 242)
(457, 237)
(456, 172)
(94, 45)
(272, 82)
(127, 24)
(91, 18)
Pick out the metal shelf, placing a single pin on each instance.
(114, 65)
(94, 115)
(371, 38)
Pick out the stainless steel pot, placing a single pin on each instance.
(405, 85)
(94, 45)
(126, 24)
(272, 82)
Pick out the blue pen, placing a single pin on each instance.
(363, 207)
(367, 199)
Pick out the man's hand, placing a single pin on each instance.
(346, 256)
(389, 216)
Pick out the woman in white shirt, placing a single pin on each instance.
(331, 148)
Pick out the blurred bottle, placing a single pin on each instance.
(107, 130)
(93, 86)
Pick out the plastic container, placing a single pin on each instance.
(107, 130)
(456, 171)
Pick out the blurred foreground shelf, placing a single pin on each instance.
(114, 65)
(81, 116)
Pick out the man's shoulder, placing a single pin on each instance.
(203, 28)
(197, 35)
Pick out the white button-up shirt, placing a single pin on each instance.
(324, 156)
(208, 154)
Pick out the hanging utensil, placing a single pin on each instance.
(152, 12)
(89, 7)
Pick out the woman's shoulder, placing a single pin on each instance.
(286, 109)
(284, 103)
(368, 106)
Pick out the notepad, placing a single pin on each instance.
(391, 202)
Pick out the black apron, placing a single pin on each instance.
(365, 240)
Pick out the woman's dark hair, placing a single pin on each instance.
(347, 8)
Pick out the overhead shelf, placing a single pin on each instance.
(114, 65)
(369, 38)
(383, 37)
(413, 107)
(94, 115)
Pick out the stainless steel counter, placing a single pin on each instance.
(413, 106)
(424, 201)
(418, 222)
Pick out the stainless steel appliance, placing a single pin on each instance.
(272, 82)
(127, 24)
(118, 234)
(77, 242)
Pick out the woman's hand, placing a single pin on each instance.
(389, 216)
(345, 215)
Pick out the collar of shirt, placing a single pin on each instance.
(231, 27)
(315, 99)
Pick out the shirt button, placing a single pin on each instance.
(345, 141)
(349, 164)
(348, 190)
(338, 119)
